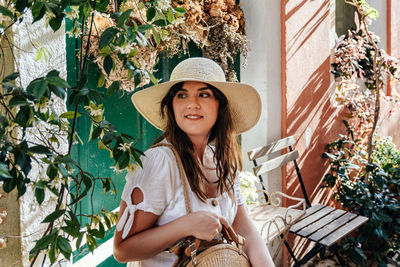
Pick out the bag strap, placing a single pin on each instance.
(181, 174)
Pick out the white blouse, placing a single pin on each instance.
(162, 190)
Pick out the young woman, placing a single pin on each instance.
(195, 109)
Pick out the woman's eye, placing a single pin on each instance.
(205, 94)
(180, 95)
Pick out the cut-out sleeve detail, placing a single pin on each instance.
(156, 182)
(240, 199)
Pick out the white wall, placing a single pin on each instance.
(25, 38)
(263, 71)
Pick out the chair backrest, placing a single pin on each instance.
(278, 161)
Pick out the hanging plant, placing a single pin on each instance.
(215, 26)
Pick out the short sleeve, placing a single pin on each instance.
(240, 199)
(156, 182)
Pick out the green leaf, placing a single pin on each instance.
(6, 12)
(152, 78)
(101, 230)
(145, 27)
(107, 222)
(55, 23)
(87, 181)
(101, 81)
(57, 81)
(53, 216)
(108, 64)
(52, 253)
(18, 100)
(107, 138)
(58, 91)
(123, 160)
(37, 88)
(137, 158)
(79, 240)
(24, 116)
(180, 9)
(67, 160)
(107, 36)
(124, 16)
(4, 171)
(64, 246)
(160, 22)
(96, 133)
(157, 37)
(10, 77)
(43, 242)
(137, 75)
(70, 115)
(9, 185)
(21, 4)
(170, 16)
(38, 11)
(39, 149)
(150, 13)
(39, 194)
(52, 171)
(113, 88)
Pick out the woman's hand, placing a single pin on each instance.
(204, 225)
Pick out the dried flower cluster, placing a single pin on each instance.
(215, 26)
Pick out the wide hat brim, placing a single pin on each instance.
(243, 100)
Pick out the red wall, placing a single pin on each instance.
(306, 108)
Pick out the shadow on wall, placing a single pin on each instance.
(308, 29)
(313, 110)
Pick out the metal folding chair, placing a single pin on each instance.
(321, 224)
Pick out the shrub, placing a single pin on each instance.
(376, 197)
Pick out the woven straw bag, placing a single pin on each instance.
(225, 251)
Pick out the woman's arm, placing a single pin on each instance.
(145, 240)
(254, 246)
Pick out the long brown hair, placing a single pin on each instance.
(227, 155)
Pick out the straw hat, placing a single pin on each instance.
(243, 100)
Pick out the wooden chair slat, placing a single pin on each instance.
(312, 210)
(275, 163)
(312, 228)
(268, 149)
(311, 219)
(343, 231)
(333, 226)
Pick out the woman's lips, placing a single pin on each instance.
(193, 116)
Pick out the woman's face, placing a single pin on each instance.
(196, 109)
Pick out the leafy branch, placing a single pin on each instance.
(26, 113)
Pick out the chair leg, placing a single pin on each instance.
(296, 262)
(334, 249)
(310, 254)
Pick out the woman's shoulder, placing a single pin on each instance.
(160, 150)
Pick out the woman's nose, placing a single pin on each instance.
(193, 102)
